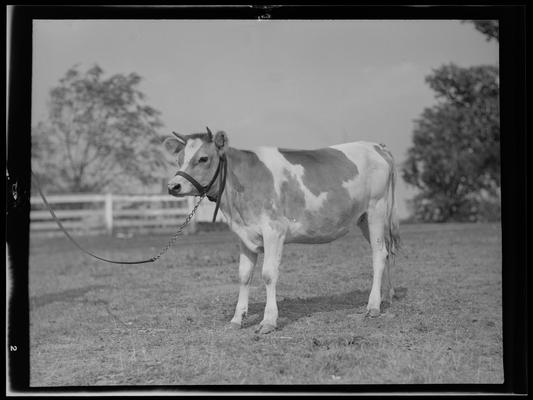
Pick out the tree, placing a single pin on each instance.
(455, 157)
(100, 135)
(489, 28)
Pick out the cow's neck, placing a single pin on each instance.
(237, 185)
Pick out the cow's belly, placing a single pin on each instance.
(309, 237)
(322, 227)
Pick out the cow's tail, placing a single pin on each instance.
(392, 233)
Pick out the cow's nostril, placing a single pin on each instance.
(174, 189)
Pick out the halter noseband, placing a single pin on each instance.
(222, 170)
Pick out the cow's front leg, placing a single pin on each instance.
(247, 261)
(273, 244)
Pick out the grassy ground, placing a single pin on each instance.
(168, 323)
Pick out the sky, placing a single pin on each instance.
(293, 84)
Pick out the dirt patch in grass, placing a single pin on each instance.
(168, 323)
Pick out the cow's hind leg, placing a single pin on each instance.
(273, 243)
(247, 261)
(376, 228)
(387, 291)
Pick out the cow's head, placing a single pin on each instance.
(198, 155)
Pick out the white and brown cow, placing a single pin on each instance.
(275, 196)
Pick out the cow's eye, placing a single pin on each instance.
(202, 159)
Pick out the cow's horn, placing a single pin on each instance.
(209, 133)
(181, 138)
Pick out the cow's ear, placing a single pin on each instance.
(173, 145)
(221, 142)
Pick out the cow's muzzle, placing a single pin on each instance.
(174, 189)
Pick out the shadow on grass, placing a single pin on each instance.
(65, 296)
(290, 310)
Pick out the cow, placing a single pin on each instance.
(274, 196)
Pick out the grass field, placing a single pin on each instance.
(167, 323)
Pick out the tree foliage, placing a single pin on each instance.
(455, 157)
(100, 135)
(489, 28)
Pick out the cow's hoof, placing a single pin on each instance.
(265, 328)
(387, 296)
(373, 313)
(386, 304)
(235, 325)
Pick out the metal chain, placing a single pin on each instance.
(180, 229)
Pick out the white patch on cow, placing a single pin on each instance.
(193, 145)
(373, 170)
(279, 166)
(351, 187)
(356, 152)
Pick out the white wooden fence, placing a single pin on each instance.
(85, 213)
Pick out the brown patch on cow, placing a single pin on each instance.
(322, 228)
(236, 184)
(324, 169)
(330, 223)
(292, 199)
(250, 186)
(252, 194)
(181, 155)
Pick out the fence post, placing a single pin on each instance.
(108, 209)
(192, 228)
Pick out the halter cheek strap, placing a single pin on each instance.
(202, 190)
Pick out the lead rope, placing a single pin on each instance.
(154, 258)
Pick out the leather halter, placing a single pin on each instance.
(222, 169)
